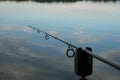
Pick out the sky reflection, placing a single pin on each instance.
(26, 55)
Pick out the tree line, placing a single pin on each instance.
(63, 0)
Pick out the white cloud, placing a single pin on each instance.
(33, 66)
(84, 37)
(27, 29)
(102, 69)
(9, 28)
(23, 63)
(55, 33)
(113, 55)
(47, 45)
(13, 28)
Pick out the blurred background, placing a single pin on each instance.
(26, 55)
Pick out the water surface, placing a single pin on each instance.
(28, 56)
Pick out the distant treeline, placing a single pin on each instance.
(62, 0)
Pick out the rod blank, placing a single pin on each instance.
(112, 64)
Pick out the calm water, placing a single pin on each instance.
(26, 55)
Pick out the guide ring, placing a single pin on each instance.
(46, 37)
(70, 55)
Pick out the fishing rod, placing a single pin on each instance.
(71, 47)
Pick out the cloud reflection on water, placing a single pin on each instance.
(84, 37)
(21, 58)
(25, 55)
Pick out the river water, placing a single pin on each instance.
(26, 55)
